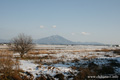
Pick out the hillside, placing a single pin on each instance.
(56, 39)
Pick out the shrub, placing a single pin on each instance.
(114, 63)
(84, 73)
(21, 44)
(8, 66)
(92, 65)
(42, 77)
(45, 77)
(75, 60)
(117, 51)
(16, 77)
(60, 76)
(106, 70)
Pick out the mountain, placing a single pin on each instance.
(90, 43)
(56, 39)
(3, 41)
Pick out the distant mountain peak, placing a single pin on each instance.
(4, 41)
(54, 39)
(57, 39)
(56, 36)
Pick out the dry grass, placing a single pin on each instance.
(4, 53)
(30, 57)
(107, 55)
(104, 50)
(117, 51)
(84, 73)
(75, 60)
(91, 57)
(83, 50)
(73, 67)
(8, 66)
(34, 52)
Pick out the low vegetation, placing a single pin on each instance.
(59, 65)
(8, 67)
(104, 50)
(21, 44)
(117, 51)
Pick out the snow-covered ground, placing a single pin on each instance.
(63, 61)
(71, 47)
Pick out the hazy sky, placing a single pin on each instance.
(76, 20)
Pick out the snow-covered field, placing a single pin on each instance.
(68, 59)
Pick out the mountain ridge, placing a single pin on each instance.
(4, 41)
(56, 39)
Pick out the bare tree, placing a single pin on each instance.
(22, 44)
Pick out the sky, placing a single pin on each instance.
(76, 20)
